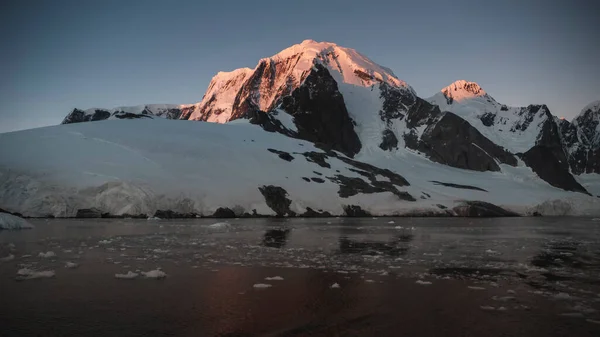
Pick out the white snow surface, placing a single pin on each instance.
(9, 221)
(471, 106)
(122, 167)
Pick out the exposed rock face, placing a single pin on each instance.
(355, 211)
(276, 199)
(89, 213)
(168, 214)
(224, 212)
(588, 121)
(547, 159)
(453, 141)
(311, 213)
(481, 209)
(388, 140)
(320, 112)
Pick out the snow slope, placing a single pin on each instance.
(141, 165)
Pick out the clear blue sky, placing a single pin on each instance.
(58, 55)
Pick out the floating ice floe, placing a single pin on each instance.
(219, 225)
(47, 254)
(71, 265)
(562, 296)
(274, 278)
(334, 286)
(129, 276)
(7, 258)
(153, 218)
(424, 283)
(262, 286)
(28, 274)
(476, 288)
(391, 222)
(156, 274)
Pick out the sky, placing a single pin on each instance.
(58, 55)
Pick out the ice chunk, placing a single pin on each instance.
(156, 274)
(28, 274)
(9, 221)
(424, 283)
(154, 218)
(71, 265)
(502, 309)
(160, 251)
(7, 258)
(592, 321)
(510, 291)
(104, 242)
(129, 276)
(219, 225)
(562, 296)
(46, 255)
(274, 278)
(391, 222)
(369, 281)
(334, 286)
(262, 286)
(476, 288)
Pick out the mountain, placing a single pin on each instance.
(168, 111)
(316, 129)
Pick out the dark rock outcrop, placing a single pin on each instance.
(355, 211)
(466, 187)
(267, 121)
(320, 112)
(224, 212)
(388, 140)
(481, 209)
(548, 160)
(129, 115)
(282, 154)
(88, 213)
(168, 214)
(311, 213)
(276, 199)
(454, 142)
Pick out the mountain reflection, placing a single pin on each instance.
(275, 238)
(398, 245)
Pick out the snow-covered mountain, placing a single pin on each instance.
(314, 128)
(168, 111)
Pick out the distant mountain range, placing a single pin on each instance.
(458, 152)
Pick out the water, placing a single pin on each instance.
(412, 277)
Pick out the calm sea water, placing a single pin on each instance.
(303, 277)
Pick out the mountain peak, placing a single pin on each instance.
(462, 90)
(351, 66)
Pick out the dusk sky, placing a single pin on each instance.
(58, 55)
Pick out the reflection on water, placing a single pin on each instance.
(275, 238)
(395, 247)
